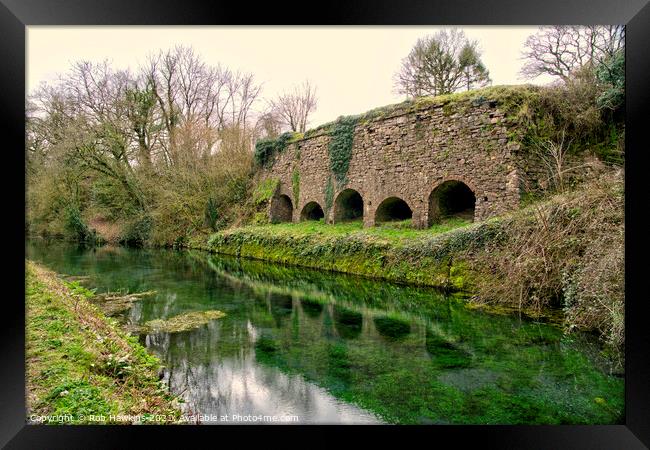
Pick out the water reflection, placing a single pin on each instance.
(237, 385)
(337, 349)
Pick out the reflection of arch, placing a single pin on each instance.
(392, 328)
(393, 209)
(281, 209)
(453, 198)
(348, 322)
(281, 306)
(312, 309)
(348, 206)
(312, 211)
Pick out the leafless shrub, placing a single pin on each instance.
(565, 252)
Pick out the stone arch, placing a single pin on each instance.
(311, 211)
(281, 209)
(348, 206)
(393, 209)
(452, 198)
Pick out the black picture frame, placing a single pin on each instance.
(15, 15)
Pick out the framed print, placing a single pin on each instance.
(422, 215)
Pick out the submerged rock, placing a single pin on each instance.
(112, 303)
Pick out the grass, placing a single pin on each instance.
(80, 365)
(392, 251)
(394, 232)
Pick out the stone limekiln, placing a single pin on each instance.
(421, 160)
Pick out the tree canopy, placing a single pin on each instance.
(441, 63)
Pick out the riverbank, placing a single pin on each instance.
(81, 367)
(565, 252)
(394, 253)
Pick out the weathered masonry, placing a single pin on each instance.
(421, 161)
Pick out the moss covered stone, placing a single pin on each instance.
(182, 322)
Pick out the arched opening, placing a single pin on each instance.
(348, 206)
(281, 209)
(451, 199)
(312, 211)
(393, 209)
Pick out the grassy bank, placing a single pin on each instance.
(565, 252)
(392, 252)
(80, 364)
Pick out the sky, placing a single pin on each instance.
(351, 67)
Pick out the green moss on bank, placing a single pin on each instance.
(80, 364)
(388, 252)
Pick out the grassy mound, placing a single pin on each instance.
(387, 252)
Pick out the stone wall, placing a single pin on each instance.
(408, 154)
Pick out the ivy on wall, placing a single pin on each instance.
(265, 149)
(340, 147)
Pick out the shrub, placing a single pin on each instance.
(566, 252)
(76, 227)
(211, 214)
(265, 190)
(137, 232)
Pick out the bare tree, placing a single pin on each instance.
(268, 125)
(553, 155)
(292, 109)
(194, 97)
(441, 64)
(559, 50)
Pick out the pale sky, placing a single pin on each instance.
(351, 67)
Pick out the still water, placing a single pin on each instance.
(305, 346)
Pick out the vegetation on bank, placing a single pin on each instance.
(565, 252)
(81, 364)
(375, 252)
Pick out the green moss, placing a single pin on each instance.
(329, 196)
(182, 322)
(405, 255)
(260, 218)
